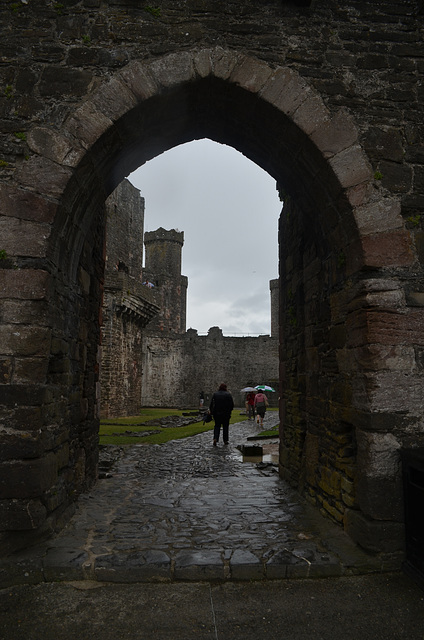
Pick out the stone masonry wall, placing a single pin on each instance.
(127, 306)
(176, 369)
(329, 100)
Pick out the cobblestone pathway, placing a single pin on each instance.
(187, 510)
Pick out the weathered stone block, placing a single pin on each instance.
(139, 80)
(251, 74)
(311, 114)
(30, 370)
(21, 515)
(285, 90)
(87, 124)
(396, 177)
(50, 144)
(374, 536)
(60, 81)
(335, 135)
(376, 357)
(223, 62)
(394, 249)
(23, 479)
(24, 340)
(173, 69)
(114, 99)
(351, 166)
(379, 482)
(30, 284)
(381, 216)
(43, 176)
(330, 482)
(26, 444)
(25, 204)
(24, 238)
(5, 370)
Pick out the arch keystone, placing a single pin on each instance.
(203, 63)
(173, 69)
(251, 74)
(223, 62)
(139, 80)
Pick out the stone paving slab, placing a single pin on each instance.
(188, 511)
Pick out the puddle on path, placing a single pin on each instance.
(260, 453)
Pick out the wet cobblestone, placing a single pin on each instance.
(187, 510)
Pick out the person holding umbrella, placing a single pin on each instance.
(221, 406)
(261, 403)
(249, 401)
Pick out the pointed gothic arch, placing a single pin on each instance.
(338, 232)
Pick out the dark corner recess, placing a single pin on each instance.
(413, 487)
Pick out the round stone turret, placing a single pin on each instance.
(163, 271)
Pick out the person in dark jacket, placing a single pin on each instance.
(221, 405)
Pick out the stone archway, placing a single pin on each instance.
(342, 317)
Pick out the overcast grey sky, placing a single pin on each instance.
(228, 209)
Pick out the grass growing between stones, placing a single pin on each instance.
(139, 424)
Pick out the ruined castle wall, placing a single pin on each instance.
(176, 369)
(127, 305)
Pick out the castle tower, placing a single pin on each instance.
(163, 269)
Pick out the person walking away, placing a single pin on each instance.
(250, 403)
(221, 406)
(261, 403)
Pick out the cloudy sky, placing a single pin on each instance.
(228, 209)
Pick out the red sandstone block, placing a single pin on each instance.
(393, 249)
(381, 327)
(24, 284)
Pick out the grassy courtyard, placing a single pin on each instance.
(147, 429)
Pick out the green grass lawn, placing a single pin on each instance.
(137, 424)
(164, 434)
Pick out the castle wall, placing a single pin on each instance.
(176, 369)
(127, 305)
